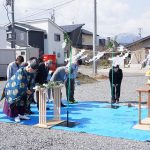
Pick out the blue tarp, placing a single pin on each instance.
(96, 118)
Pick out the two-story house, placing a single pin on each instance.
(75, 33)
(53, 37)
(27, 36)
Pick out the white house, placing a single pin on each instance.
(53, 38)
(3, 42)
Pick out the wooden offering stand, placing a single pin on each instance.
(43, 123)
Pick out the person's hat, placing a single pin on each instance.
(34, 63)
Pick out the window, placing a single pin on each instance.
(56, 37)
(9, 35)
(22, 53)
(45, 36)
(58, 54)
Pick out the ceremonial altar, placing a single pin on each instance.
(42, 106)
(145, 123)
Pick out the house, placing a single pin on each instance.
(80, 38)
(75, 33)
(3, 42)
(87, 39)
(53, 37)
(139, 50)
(27, 36)
(102, 42)
(142, 43)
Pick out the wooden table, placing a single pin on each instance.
(143, 124)
(145, 89)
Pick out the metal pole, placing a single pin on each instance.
(95, 38)
(13, 24)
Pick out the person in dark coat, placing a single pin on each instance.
(41, 76)
(115, 78)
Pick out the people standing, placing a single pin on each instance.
(71, 74)
(14, 66)
(41, 76)
(15, 89)
(115, 78)
(12, 69)
(59, 75)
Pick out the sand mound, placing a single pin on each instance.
(84, 79)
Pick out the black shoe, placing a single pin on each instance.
(31, 112)
(113, 101)
(33, 102)
(117, 101)
(62, 105)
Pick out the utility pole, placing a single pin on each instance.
(95, 38)
(53, 15)
(13, 25)
(140, 32)
(13, 37)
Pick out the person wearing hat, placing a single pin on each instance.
(15, 89)
(115, 78)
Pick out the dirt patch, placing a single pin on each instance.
(85, 79)
(100, 77)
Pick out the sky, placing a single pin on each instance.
(113, 16)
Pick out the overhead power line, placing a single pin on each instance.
(45, 10)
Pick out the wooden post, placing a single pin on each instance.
(139, 107)
(40, 119)
(148, 103)
(57, 98)
(42, 107)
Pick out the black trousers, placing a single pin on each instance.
(70, 90)
(115, 92)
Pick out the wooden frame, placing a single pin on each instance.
(143, 124)
(42, 107)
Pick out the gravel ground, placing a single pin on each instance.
(21, 137)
